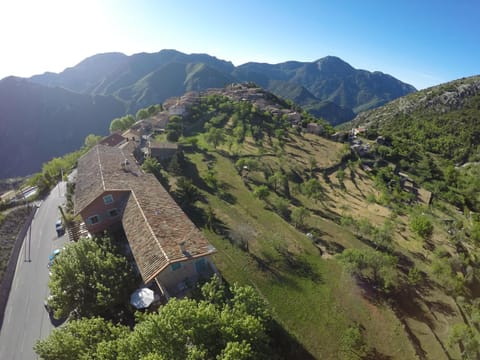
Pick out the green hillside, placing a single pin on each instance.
(436, 136)
(335, 247)
(354, 259)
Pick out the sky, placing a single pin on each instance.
(421, 42)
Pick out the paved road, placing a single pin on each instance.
(25, 317)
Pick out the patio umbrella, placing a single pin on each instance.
(142, 298)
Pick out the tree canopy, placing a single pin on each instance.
(122, 124)
(89, 278)
(217, 326)
(373, 265)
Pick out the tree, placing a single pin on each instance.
(475, 232)
(152, 166)
(89, 278)
(261, 192)
(382, 237)
(79, 339)
(281, 206)
(153, 109)
(142, 114)
(220, 325)
(122, 124)
(91, 140)
(215, 136)
(186, 193)
(313, 189)
(352, 344)
(372, 265)
(341, 177)
(468, 338)
(177, 163)
(299, 215)
(277, 179)
(421, 225)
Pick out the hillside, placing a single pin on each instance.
(39, 123)
(351, 255)
(328, 79)
(436, 135)
(83, 99)
(333, 240)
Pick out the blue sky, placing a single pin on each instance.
(423, 43)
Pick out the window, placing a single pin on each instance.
(176, 266)
(93, 220)
(108, 199)
(112, 212)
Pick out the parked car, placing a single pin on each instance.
(59, 227)
(52, 256)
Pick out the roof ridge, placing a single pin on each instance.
(149, 227)
(100, 166)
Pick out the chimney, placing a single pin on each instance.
(184, 249)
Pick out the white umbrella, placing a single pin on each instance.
(142, 298)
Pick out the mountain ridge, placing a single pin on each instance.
(87, 96)
(327, 79)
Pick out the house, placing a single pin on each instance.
(133, 135)
(113, 140)
(161, 150)
(358, 130)
(113, 192)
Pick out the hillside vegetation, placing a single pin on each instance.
(353, 258)
(436, 137)
(352, 263)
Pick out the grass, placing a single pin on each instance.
(310, 294)
(311, 297)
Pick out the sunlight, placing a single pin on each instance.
(51, 34)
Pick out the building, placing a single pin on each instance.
(161, 150)
(114, 139)
(112, 191)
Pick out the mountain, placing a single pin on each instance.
(329, 80)
(442, 119)
(39, 123)
(83, 99)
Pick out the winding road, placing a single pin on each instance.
(26, 319)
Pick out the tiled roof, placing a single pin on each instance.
(157, 230)
(112, 140)
(99, 170)
(162, 145)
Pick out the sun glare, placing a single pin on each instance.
(50, 35)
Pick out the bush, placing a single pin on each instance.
(421, 226)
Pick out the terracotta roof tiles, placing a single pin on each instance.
(157, 229)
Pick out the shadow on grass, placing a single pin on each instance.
(373, 354)
(331, 247)
(203, 220)
(298, 265)
(285, 346)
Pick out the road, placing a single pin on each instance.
(26, 319)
